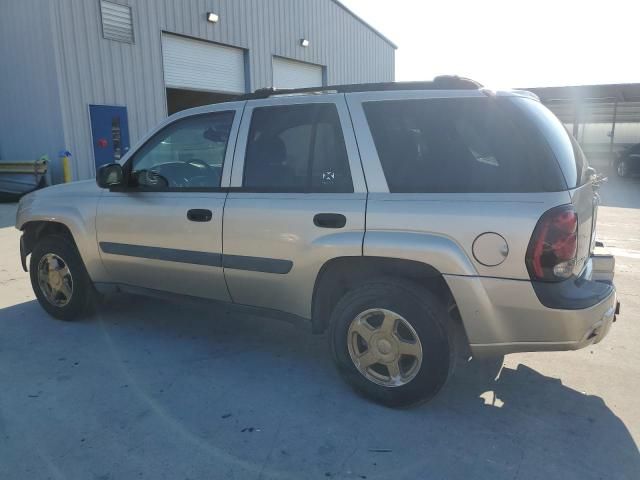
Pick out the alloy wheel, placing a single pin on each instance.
(384, 347)
(55, 280)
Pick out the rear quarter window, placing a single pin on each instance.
(565, 148)
(460, 145)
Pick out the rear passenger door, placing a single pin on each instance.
(297, 199)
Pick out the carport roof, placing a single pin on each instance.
(623, 92)
(593, 103)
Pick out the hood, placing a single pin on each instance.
(58, 201)
(73, 189)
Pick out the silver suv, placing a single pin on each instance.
(404, 219)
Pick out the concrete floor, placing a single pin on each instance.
(148, 389)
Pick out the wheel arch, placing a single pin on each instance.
(34, 230)
(338, 275)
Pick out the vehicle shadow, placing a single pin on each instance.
(560, 432)
(208, 379)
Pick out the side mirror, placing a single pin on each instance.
(110, 175)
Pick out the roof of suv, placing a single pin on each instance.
(443, 82)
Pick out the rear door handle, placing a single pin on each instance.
(330, 220)
(200, 215)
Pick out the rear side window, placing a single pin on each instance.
(565, 148)
(582, 165)
(297, 148)
(460, 145)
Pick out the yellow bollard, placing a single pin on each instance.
(65, 157)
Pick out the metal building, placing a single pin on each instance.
(92, 76)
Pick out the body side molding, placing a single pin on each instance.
(235, 262)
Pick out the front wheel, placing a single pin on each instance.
(390, 342)
(59, 279)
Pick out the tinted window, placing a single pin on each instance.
(460, 145)
(565, 148)
(187, 154)
(582, 165)
(297, 148)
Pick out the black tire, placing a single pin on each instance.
(83, 292)
(426, 315)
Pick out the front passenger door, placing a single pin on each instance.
(163, 231)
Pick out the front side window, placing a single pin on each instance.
(463, 145)
(297, 148)
(187, 154)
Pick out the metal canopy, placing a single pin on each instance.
(596, 111)
(624, 92)
(593, 103)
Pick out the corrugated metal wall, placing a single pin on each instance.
(97, 71)
(30, 119)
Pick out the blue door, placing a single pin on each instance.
(109, 132)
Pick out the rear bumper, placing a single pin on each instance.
(594, 285)
(505, 316)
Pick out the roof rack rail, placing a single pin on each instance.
(442, 82)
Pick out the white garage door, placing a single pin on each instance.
(293, 74)
(198, 65)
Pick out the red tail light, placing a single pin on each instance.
(551, 255)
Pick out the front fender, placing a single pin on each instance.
(70, 217)
(79, 219)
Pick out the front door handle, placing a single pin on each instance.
(200, 215)
(329, 220)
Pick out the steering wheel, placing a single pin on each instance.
(197, 161)
(207, 178)
(152, 179)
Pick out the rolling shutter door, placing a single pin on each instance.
(198, 65)
(293, 74)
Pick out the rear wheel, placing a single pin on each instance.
(59, 278)
(390, 342)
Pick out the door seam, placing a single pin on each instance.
(226, 197)
(364, 176)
